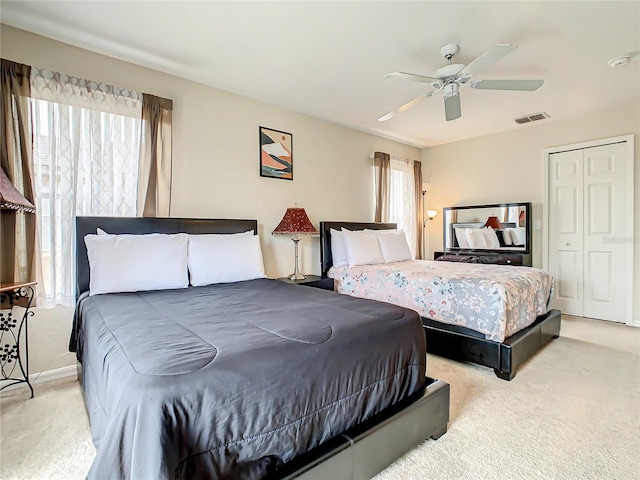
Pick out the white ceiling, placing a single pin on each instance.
(328, 59)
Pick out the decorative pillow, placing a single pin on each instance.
(490, 237)
(518, 236)
(100, 231)
(338, 247)
(461, 237)
(394, 246)
(475, 238)
(219, 258)
(506, 237)
(362, 248)
(132, 263)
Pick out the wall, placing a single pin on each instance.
(215, 165)
(508, 167)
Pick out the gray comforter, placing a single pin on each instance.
(228, 381)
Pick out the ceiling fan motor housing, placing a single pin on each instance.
(450, 70)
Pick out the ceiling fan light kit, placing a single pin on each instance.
(453, 75)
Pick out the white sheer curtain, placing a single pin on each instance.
(86, 152)
(509, 214)
(402, 199)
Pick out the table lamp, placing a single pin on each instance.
(494, 223)
(11, 198)
(294, 224)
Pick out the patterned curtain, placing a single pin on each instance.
(17, 230)
(86, 147)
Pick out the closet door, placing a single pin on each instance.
(588, 215)
(604, 232)
(566, 212)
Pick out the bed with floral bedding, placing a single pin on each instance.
(495, 300)
(493, 315)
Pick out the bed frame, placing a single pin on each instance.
(505, 358)
(362, 451)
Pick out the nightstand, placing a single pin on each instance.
(15, 304)
(311, 281)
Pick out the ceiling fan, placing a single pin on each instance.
(454, 75)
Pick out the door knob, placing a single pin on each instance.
(566, 244)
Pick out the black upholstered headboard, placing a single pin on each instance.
(142, 225)
(326, 260)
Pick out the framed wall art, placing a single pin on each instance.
(276, 154)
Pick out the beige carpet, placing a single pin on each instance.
(573, 411)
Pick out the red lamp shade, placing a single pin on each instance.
(294, 223)
(12, 199)
(494, 223)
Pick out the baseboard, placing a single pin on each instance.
(46, 376)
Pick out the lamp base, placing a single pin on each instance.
(297, 276)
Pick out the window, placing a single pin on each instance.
(86, 150)
(402, 196)
(394, 188)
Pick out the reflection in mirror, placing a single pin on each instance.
(500, 227)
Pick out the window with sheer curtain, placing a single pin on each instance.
(402, 199)
(86, 150)
(396, 196)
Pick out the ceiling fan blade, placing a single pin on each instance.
(404, 107)
(522, 85)
(487, 58)
(452, 108)
(411, 77)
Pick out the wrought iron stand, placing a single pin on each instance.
(15, 302)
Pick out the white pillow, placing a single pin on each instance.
(506, 237)
(219, 258)
(100, 231)
(381, 231)
(475, 238)
(394, 246)
(362, 248)
(338, 248)
(132, 263)
(518, 236)
(491, 237)
(462, 239)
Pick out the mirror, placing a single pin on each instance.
(500, 227)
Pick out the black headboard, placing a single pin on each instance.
(141, 225)
(326, 260)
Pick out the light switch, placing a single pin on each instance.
(537, 225)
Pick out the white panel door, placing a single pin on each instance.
(566, 230)
(604, 232)
(587, 225)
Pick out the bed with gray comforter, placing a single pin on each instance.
(232, 380)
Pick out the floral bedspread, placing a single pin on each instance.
(495, 300)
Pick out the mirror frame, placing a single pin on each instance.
(447, 230)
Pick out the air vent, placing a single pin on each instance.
(532, 118)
